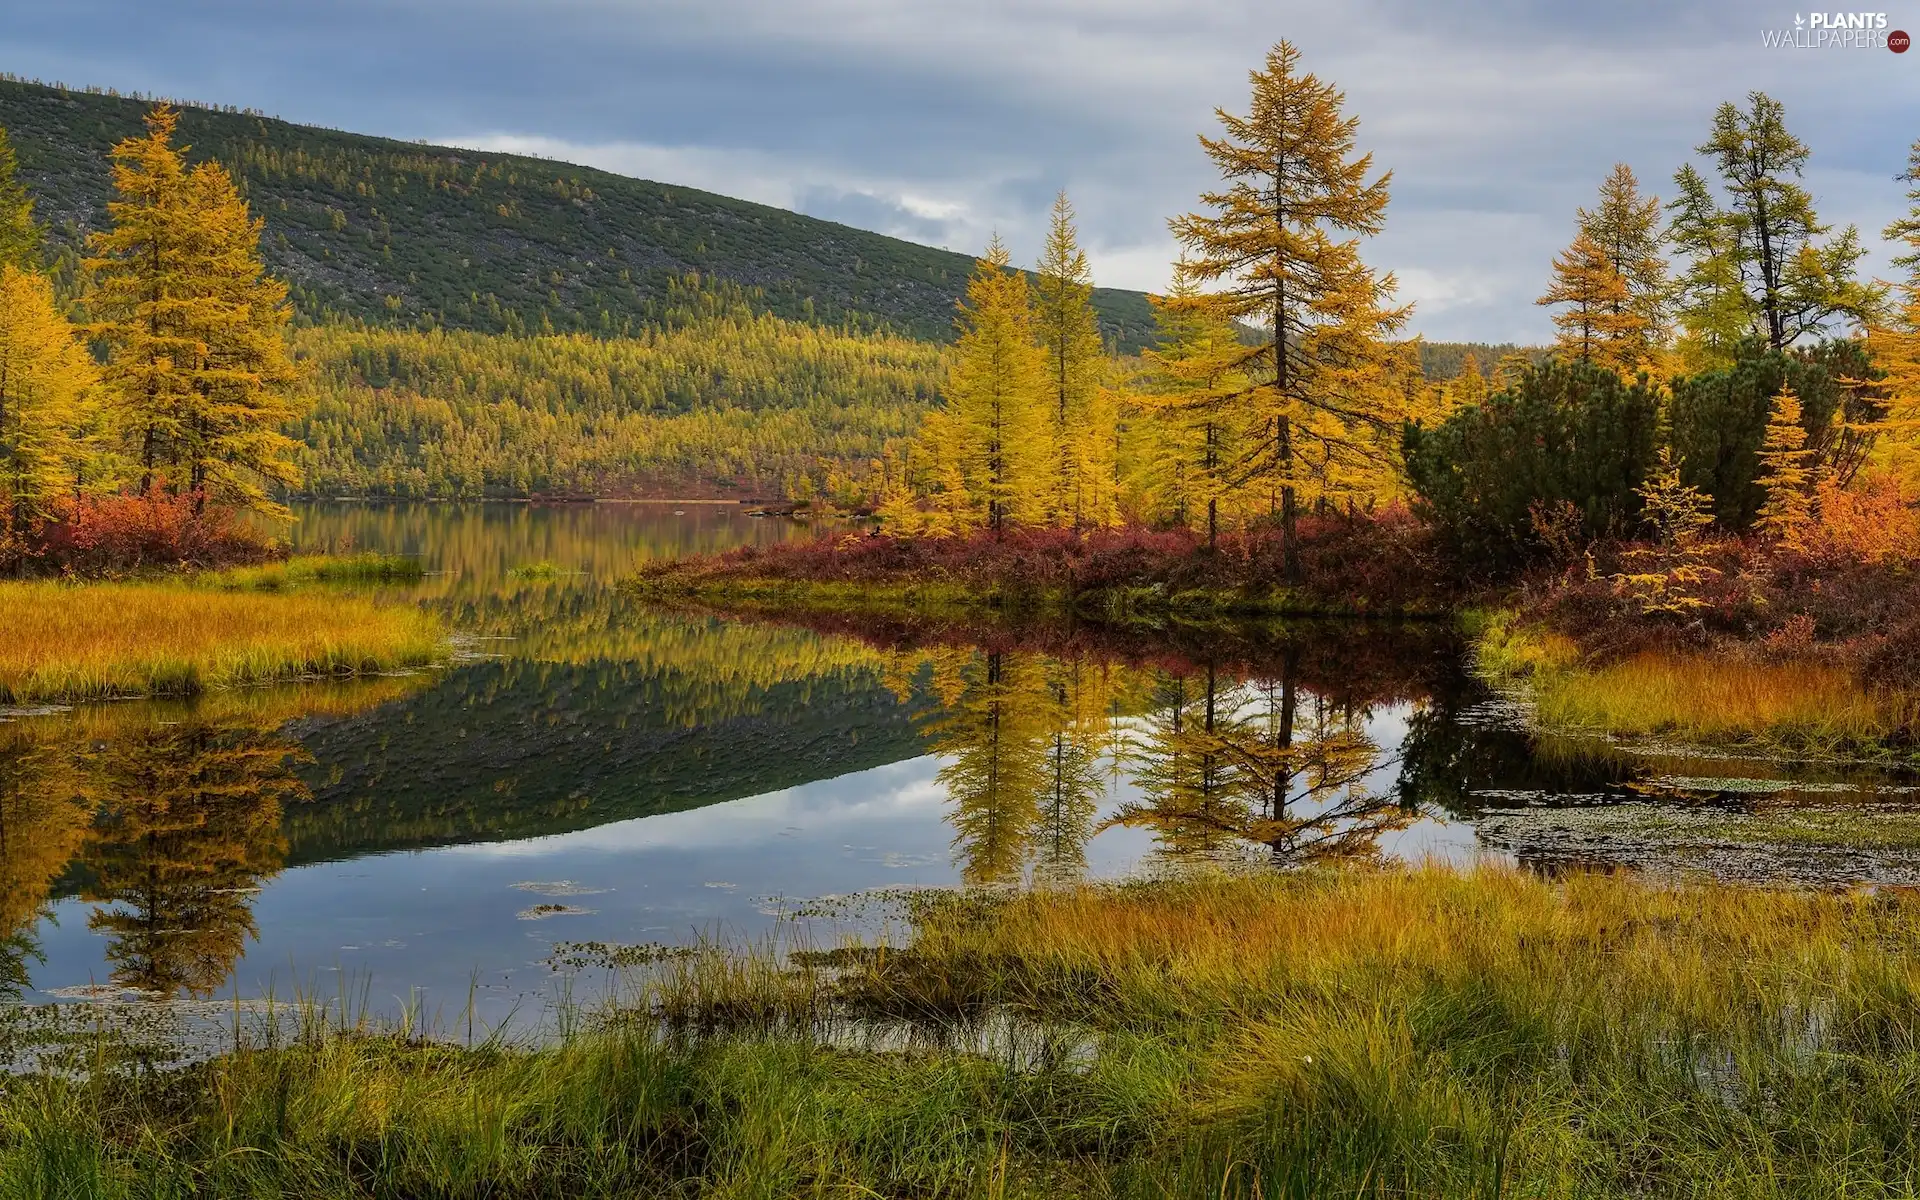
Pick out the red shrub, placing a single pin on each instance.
(118, 535)
(1380, 562)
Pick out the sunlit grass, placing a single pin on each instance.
(307, 569)
(66, 643)
(1422, 1033)
(1718, 698)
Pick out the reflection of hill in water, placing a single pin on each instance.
(515, 749)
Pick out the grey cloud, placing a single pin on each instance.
(946, 120)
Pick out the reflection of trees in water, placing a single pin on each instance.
(1230, 765)
(45, 806)
(188, 829)
(1026, 738)
(1223, 764)
(167, 812)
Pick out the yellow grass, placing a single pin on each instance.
(1718, 698)
(62, 643)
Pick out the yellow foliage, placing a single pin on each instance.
(195, 327)
(1785, 473)
(47, 383)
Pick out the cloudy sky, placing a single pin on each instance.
(943, 120)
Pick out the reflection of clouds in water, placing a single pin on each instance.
(897, 791)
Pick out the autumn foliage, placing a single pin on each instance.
(117, 535)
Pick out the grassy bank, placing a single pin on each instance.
(1795, 703)
(1360, 1034)
(66, 643)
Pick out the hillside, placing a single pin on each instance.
(405, 234)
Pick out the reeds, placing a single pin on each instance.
(1422, 1033)
(1806, 704)
(64, 643)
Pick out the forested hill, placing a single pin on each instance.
(413, 235)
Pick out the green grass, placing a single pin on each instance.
(1380, 1034)
(68, 642)
(306, 569)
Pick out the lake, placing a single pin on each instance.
(592, 772)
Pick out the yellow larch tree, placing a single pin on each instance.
(145, 293)
(1786, 473)
(47, 389)
(1626, 227)
(1894, 344)
(996, 398)
(1080, 417)
(1596, 321)
(236, 445)
(195, 328)
(1188, 429)
(1468, 387)
(1324, 401)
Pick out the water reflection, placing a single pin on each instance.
(188, 829)
(629, 774)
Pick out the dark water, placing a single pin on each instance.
(592, 770)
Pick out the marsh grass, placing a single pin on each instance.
(1794, 705)
(1421, 1033)
(311, 569)
(1801, 705)
(66, 643)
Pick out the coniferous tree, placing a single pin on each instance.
(1785, 473)
(19, 232)
(1080, 488)
(1597, 324)
(1790, 282)
(194, 327)
(1626, 227)
(241, 401)
(1894, 343)
(1190, 432)
(997, 397)
(1467, 387)
(1283, 239)
(47, 383)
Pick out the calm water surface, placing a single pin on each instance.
(591, 770)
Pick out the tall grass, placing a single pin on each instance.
(306, 569)
(65, 643)
(1802, 702)
(1365, 1034)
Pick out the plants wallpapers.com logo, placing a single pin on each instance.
(1837, 31)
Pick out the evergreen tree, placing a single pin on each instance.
(1894, 344)
(1080, 488)
(194, 326)
(1597, 325)
(1626, 227)
(1323, 398)
(1791, 283)
(47, 381)
(997, 397)
(19, 233)
(1191, 444)
(1785, 472)
(235, 441)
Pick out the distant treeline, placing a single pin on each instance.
(724, 401)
